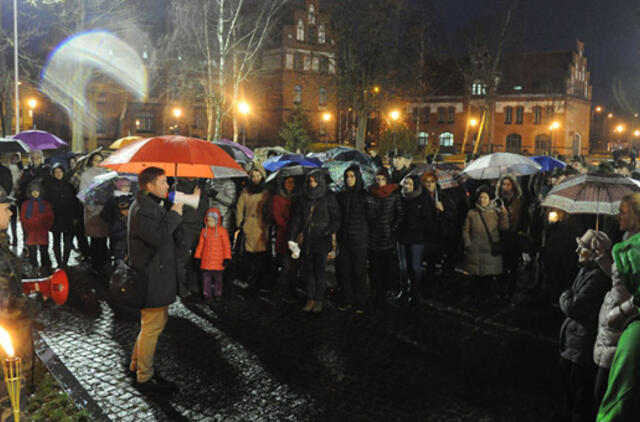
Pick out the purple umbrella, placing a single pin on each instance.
(39, 139)
(244, 149)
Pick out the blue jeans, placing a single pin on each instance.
(410, 261)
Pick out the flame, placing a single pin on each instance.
(5, 341)
(553, 216)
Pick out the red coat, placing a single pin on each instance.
(38, 224)
(213, 246)
(281, 215)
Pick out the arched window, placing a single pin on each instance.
(322, 35)
(312, 15)
(478, 88)
(514, 143)
(300, 31)
(297, 94)
(446, 139)
(322, 97)
(423, 139)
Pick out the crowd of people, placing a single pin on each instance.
(397, 242)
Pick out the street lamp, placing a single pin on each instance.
(32, 103)
(552, 127)
(598, 109)
(326, 116)
(244, 109)
(177, 112)
(395, 115)
(473, 122)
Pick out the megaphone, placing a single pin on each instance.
(192, 200)
(56, 286)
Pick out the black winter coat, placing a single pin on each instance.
(152, 231)
(6, 179)
(415, 220)
(581, 305)
(385, 216)
(62, 197)
(317, 217)
(118, 237)
(353, 203)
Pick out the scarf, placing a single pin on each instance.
(482, 208)
(253, 188)
(384, 191)
(31, 204)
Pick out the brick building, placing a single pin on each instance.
(542, 105)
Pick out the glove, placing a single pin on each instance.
(226, 263)
(294, 248)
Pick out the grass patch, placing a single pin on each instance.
(50, 403)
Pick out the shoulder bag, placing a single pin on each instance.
(496, 246)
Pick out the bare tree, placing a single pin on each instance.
(217, 43)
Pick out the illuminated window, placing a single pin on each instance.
(423, 139)
(144, 121)
(446, 139)
(478, 89)
(300, 31)
(312, 14)
(297, 94)
(322, 35)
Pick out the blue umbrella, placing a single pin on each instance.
(548, 163)
(274, 163)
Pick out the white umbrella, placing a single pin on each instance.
(495, 165)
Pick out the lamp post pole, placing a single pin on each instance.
(15, 63)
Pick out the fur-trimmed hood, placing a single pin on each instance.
(517, 189)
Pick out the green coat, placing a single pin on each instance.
(621, 402)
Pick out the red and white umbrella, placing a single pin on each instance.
(591, 194)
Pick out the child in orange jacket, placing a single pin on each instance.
(214, 252)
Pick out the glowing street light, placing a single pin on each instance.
(598, 109)
(32, 103)
(376, 89)
(620, 128)
(177, 112)
(473, 122)
(395, 115)
(244, 108)
(636, 133)
(610, 115)
(326, 116)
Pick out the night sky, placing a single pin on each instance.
(609, 28)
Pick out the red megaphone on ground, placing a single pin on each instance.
(56, 286)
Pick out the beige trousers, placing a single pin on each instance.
(152, 323)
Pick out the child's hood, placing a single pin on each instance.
(212, 210)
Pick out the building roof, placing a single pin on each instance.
(536, 73)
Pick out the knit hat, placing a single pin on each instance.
(382, 171)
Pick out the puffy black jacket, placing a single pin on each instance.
(152, 230)
(385, 216)
(581, 305)
(415, 220)
(62, 197)
(316, 216)
(353, 203)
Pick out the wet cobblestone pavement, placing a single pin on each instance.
(255, 359)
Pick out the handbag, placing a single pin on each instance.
(128, 286)
(496, 246)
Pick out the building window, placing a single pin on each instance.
(478, 89)
(311, 34)
(446, 139)
(451, 115)
(508, 115)
(322, 96)
(315, 64)
(322, 35)
(297, 62)
(324, 65)
(519, 114)
(297, 94)
(300, 31)
(312, 15)
(425, 114)
(414, 113)
(537, 115)
(423, 139)
(549, 112)
(441, 115)
(307, 63)
(100, 123)
(542, 144)
(514, 143)
(144, 122)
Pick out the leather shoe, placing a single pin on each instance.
(156, 384)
